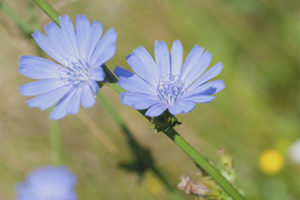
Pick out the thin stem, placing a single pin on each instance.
(55, 138)
(203, 163)
(16, 18)
(48, 9)
(171, 133)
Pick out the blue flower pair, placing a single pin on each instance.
(166, 83)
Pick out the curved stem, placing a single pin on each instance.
(171, 133)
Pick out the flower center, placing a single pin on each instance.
(76, 72)
(169, 88)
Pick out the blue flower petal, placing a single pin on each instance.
(156, 110)
(209, 88)
(147, 67)
(122, 73)
(199, 98)
(95, 34)
(195, 64)
(58, 41)
(48, 46)
(138, 100)
(105, 49)
(69, 34)
(98, 74)
(40, 87)
(176, 57)
(133, 83)
(181, 106)
(162, 57)
(208, 75)
(74, 103)
(82, 34)
(61, 109)
(87, 97)
(187, 106)
(38, 68)
(175, 109)
(142, 63)
(48, 99)
(94, 87)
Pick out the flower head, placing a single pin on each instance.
(166, 83)
(49, 183)
(73, 79)
(271, 161)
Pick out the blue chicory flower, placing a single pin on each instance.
(49, 183)
(79, 53)
(166, 84)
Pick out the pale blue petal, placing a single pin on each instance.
(186, 106)
(142, 69)
(61, 109)
(181, 106)
(98, 74)
(148, 66)
(40, 87)
(176, 57)
(175, 109)
(137, 100)
(48, 46)
(105, 48)
(38, 68)
(95, 34)
(208, 75)
(122, 73)
(162, 58)
(58, 40)
(48, 99)
(94, 87)
(69, 34)
(74, 103)
(191, 60)
(133, 83)
(156, 110)
(195, 66)
(87, 97)
(199, 98)
(82, 34)
(209, 88)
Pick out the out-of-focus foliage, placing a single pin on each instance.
(258, 43)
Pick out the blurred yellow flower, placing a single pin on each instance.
(271, 161)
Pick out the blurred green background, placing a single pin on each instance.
(258, 42)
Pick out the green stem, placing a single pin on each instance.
(203, 163)
(48, 9)
(171, 133)
(55, 138)
(16, 18)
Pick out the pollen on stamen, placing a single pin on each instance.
(170, 88)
